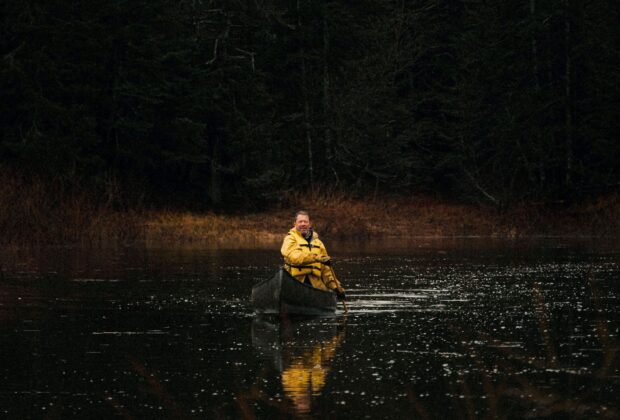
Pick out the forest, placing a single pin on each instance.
(229, 104)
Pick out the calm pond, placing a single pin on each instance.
(465, 328)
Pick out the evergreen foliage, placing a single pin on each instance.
(229, 104)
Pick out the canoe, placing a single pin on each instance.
(282, 294)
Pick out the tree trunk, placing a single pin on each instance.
(326, 98)
(534, 47)
(538, 143)
(304, 89)
(215, 191)
(567, 92)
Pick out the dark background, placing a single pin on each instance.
(234, 104)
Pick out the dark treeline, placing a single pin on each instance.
(228, 103)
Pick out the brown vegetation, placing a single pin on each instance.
(341, 216)
(34, 212)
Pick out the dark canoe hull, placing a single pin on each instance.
(282, 294)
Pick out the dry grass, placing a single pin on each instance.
(34, 212)
(182, 228)
(337, 215)
(343, 216)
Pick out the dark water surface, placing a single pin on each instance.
(468, 328)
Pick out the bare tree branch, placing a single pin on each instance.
(217, 40)
(479, 187)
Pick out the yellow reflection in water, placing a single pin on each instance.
(304, 376)
(303, 352)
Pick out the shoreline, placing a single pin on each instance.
(394, 219)
(34, 216)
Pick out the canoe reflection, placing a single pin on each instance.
(302, 351)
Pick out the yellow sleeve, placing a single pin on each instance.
(327, 275)
(328, 278)
(294, 254)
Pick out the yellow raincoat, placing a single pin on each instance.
(300, 260)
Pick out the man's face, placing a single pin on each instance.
(302, 224)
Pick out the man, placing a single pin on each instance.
(306, 258)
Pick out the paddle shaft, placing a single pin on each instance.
(344, 302)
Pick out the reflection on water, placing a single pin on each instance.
(462, 329)
(302, 351)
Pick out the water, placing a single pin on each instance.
(435, 329)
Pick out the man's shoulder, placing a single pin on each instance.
(290, 235)
(316, 239)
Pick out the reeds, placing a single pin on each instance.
(185, 228)
(35, 212)
(38, 212)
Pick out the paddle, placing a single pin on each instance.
(344, 302)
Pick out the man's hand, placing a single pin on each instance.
(324, 259)
(340, 293)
